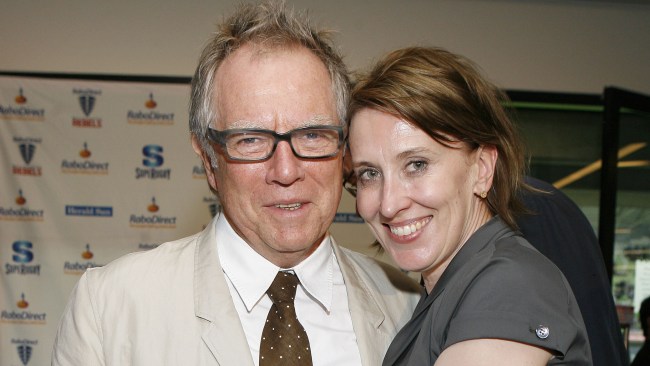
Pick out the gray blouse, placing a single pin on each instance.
(497, 286)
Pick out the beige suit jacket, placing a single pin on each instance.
(172, 306)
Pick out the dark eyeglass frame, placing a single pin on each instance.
(219, 138)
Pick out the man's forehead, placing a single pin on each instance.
(284, 90)
(252, 54)
(316, 120)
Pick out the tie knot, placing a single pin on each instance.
(283, 288)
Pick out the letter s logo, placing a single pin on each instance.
(153, 156)
(23, 251)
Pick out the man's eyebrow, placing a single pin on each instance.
(319, 119)
(244, 124)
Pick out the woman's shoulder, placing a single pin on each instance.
(515, 294)
(514, 257)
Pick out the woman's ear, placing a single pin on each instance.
(208, 165)
(487, 161)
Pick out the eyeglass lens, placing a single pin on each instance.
(308, 142)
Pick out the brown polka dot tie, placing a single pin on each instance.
(284, 341)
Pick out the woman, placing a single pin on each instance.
(437, 163)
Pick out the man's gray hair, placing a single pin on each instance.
(269, 25)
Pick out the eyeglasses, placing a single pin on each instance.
(313, 142)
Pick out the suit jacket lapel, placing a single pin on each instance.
(222, 333)
(367, 316)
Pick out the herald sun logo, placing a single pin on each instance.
(149, 116)
(152, 160)
(87, 99)
(84, 166)
(152, 219)
(79, 267)
(22, 260)
(27, 148)
(347, 217)
(147, 246)
(82, 210)
(22, 315)
(20, 111)
(20, 212)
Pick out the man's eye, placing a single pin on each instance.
(248, 141)
(313, 135)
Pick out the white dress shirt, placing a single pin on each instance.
(321, 301)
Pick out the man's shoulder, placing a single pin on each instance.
(166, 257)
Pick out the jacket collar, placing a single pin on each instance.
(222, 331)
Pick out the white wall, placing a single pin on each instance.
(564, 46)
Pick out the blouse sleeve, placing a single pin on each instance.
(519, 295)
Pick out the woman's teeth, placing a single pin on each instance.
(410, 228)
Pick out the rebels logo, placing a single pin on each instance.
(27, 149)
(87, 101)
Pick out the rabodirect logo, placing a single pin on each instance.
(27, 148)
(149, 116)
(198, 172)
(87, 99)
(20, 111)
(152, 160)
(24, 349)
(23, 315)
(77, 267)
(153, 220)
(22, 258)
(85, 165)
(20, 212)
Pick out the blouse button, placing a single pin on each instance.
(542, 332)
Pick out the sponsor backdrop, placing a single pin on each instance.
(91, 170)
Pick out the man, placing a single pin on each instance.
(268, 104)
(560, 231)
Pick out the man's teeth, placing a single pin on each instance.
(291, 207)
(410, 228)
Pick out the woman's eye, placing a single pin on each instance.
(417, 166)
(366, 175)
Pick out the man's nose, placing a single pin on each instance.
(285, 167)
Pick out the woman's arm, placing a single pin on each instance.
(477, 352)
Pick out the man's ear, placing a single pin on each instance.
(487, 161)
(207, 163)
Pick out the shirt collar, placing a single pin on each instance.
(251, 274)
